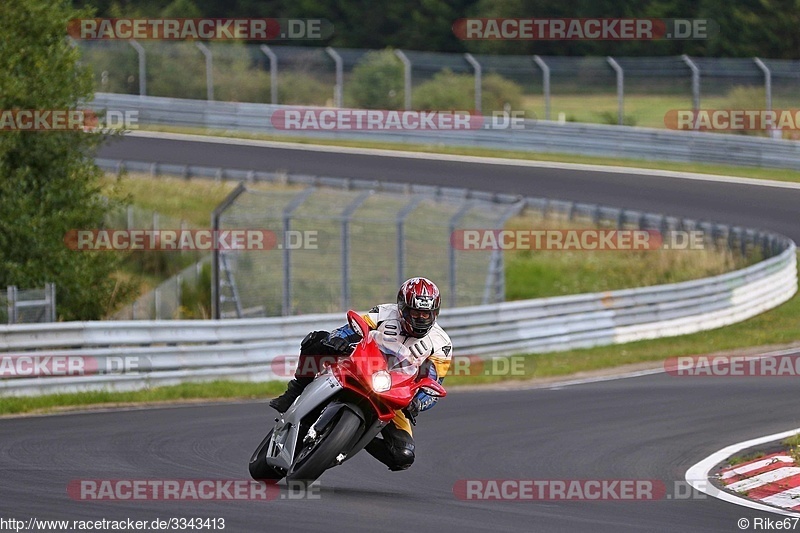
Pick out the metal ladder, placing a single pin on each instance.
(228, 283)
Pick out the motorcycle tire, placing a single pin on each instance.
(311, 463)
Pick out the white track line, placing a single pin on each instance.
(646, 172)
(697, 475)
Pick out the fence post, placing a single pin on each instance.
(345, 216)
(50, 298)
(406, 77)
(12, 304)
(297, 201)
(338, 88)
(142, 66)
(620, 89)
(767, 81)
(545, 83)
(478, 76)
(215, 255)
(695, 81)
(273, 73)
(209, 70)
(178, 283)
(454, 220)
(157, 302)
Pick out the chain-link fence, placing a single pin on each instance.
(345, 248)
(182, 295)
(28, 306)
(629, 90)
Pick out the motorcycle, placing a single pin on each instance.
(347, 405)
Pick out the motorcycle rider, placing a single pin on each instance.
(413, 317)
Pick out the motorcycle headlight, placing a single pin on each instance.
(381, 381)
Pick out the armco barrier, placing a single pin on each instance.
(170, 352)
(537, 136)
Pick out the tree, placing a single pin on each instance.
(49, 183)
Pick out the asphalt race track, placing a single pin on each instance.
(651, 427)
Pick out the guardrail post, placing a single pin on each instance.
(695, 81)
(401, 237)
(338, 88)
(142, 66)
(454, 220)
(478, 77)
(209, 70)
(545, 83)
(273, 73)
(346, 216)
(406, 77)
(620, 89)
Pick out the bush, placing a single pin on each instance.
(447, 90)
(377, 82)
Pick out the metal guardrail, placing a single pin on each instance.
(169, 352)
(536, 136)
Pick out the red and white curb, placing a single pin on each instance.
(770, 483)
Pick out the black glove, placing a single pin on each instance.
(337, 345)
(412, 411)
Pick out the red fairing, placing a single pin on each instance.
(355, 374)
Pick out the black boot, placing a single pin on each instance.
(293, 390)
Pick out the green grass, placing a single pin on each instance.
(537, 274)
(700, 168)
(214, 390)
(739, 459)
(181, 200)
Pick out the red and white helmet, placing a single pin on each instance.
(418, 301)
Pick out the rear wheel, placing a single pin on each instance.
(320, 454)
(259, 469)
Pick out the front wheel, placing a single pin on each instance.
(320, 454)
(259, 469)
